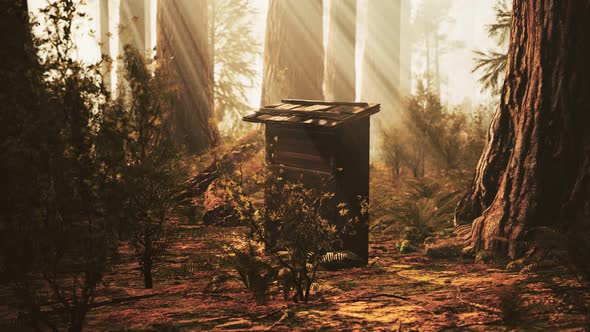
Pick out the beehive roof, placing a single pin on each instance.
(323, 114)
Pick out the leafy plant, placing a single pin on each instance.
(235, 50)
(430, 135)
(254, 271)
(492, 64)
(57, 236)
(293, 225)
(153, 169)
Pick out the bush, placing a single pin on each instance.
(293, 224)
(153, 168)
(430, 135)
(255, 272)
(57, 236)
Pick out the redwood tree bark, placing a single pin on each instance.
(535, 169)
(293, 51)
(183, 48)
(340, 75)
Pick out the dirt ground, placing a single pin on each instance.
(394, 292)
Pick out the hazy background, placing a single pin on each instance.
(465, 27)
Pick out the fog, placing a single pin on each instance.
(464, 30)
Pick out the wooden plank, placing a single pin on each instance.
(322, 119)
(323, 102)
(286, 106)
(348, 109)
(306, 113)
(315, 108)
(301, 160)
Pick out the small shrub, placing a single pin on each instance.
(153, 169)
(293, 225)
(254, 271)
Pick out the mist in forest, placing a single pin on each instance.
(461, 27)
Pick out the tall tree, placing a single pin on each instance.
(405, 84)
(105, 41)
(133, 31)
(183, 47)
(430, 16)
(235, 49)
(535, 169)
(381, 63)
(294, 51)
(381, 60)
(340, 54)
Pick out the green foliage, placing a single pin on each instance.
(500, 29)
(492, 64)
(235, 49)
(425, 206)
(57, 236)
(255, 272)
(293, 225)
(153, 169)
(430, 134)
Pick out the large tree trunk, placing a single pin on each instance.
(294, 52)
(381, 63)
(183, 48)
(340, 64)
(535, 168)
(105, 42)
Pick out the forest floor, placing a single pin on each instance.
(394, 292)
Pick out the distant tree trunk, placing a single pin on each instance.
(405, 84)
(183, 48)
(105, 41)
(294, 51)
(437, 64)
(340, 64)
(428, 57)
(132, 31)
(381, 63)
(535, 169)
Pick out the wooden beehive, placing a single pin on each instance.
(319, 139)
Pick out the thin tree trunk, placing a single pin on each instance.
(132, 33)
(183, 49)
(405, 83)
(535, 169)
(340, 77)
(437, 64)
(294, 52)
(428, 66)
(381, 64)
(105, 42)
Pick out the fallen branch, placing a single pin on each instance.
(245, 149)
